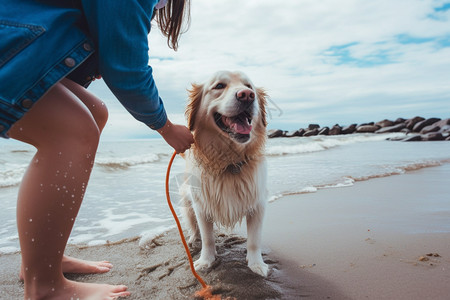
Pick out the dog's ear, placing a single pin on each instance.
(195, 97)
(262, 101)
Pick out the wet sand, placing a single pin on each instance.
(371, 240)
(385, 238)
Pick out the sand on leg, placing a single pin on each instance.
(99, 112)
(66, 136)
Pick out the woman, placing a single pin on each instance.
(50, 50)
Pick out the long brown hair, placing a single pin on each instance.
(173, 20)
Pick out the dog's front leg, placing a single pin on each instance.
(208, 253)
(254, 227)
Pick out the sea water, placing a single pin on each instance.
(126, 197)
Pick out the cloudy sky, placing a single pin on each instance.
(325, 62)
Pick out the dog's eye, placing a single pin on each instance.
(249, 86)
(220, 86)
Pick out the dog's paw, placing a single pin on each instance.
(257, 265)
(259, 268)
(194, 242)
(203, 263)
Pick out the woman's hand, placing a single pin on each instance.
(177, 136)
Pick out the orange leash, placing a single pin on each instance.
(206, 291)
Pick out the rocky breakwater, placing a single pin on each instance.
(415, 129)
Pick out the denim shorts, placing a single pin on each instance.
(84, 74)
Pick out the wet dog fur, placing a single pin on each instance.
(226, 166)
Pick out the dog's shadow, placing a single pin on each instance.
(230, 276)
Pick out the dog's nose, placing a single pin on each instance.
(245, 95)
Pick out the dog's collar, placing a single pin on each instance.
(236, 168)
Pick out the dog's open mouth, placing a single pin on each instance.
(238, 127)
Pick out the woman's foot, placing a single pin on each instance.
(75, 265)
(79, 266)
(76, 290)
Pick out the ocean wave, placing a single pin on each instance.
(126, 162)
(306, 190)
(9, 250)
(316, 143)
(89, 240)
(402, 169)
(12, 176)
(348, 181)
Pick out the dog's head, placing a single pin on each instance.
(230, 105)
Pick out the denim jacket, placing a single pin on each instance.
(43, 41)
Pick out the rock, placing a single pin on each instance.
(397, 138)
(394, 128)
(420, 125)
(399, 120)
(367, 128)
(312, 132)
(273, 133)
(289, 133)
(414, 138)
(349, 129)
(411, 122)
(433, 136)
(436, 126)
(335, 130)
(324, 131)
(293, 133)
(430, 128)
(384, 123)
(443, 122)
(364, 124)
(444, 129)
(405, 130)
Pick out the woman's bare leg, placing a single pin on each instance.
(100, 114)
(66, 136)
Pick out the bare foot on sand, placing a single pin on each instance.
(79, 266)
(76, 290)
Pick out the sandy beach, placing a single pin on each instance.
(371, 240)
(384, 238)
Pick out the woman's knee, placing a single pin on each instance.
(98, 110)
(84, 136)
(96, 106)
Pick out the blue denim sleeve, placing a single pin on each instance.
(119, 29)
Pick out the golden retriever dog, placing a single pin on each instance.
(228, 119)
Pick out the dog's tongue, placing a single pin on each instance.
(237, 124)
